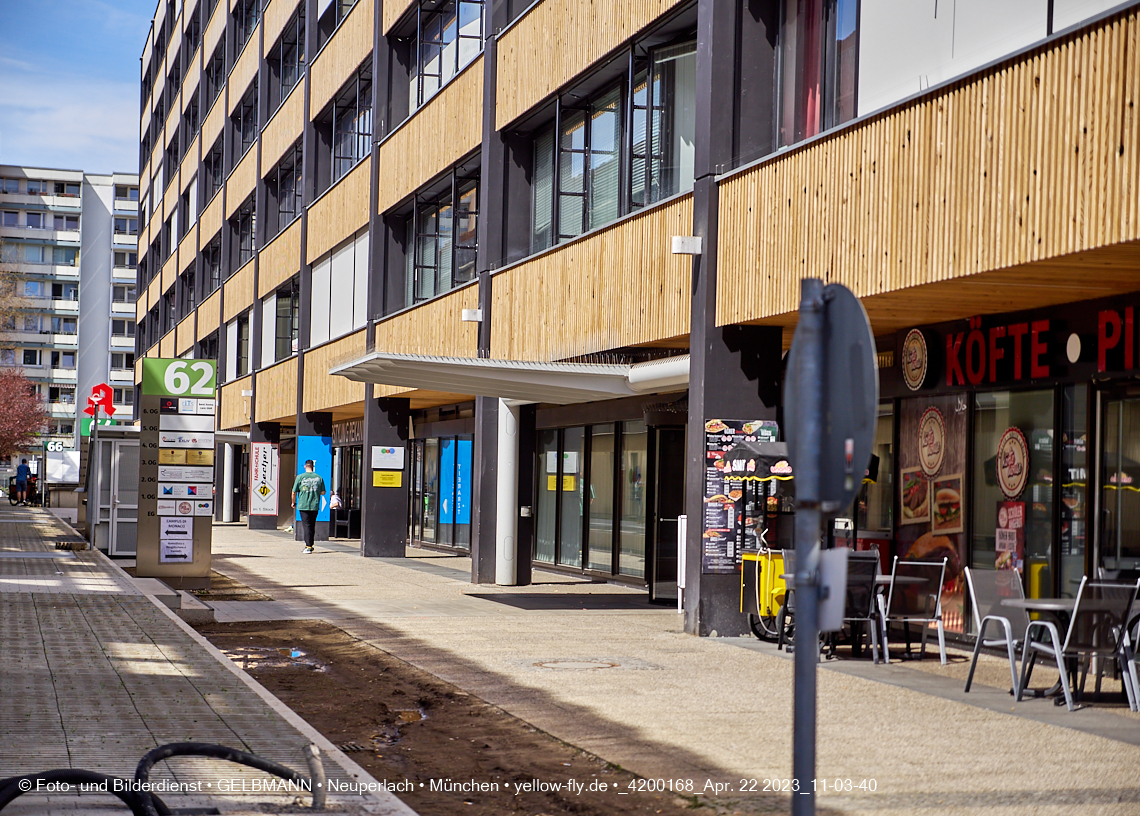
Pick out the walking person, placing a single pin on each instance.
(308, 488)
(23, 473)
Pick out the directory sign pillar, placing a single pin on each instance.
(176, 471)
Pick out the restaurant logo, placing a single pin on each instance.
(931, 441)
(915, 359)
(781, 468)
(1012, 463)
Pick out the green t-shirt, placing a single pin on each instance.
(308, 487)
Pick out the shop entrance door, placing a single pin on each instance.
(1118, 521)
(669, 503)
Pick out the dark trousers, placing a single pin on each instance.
(308, 525)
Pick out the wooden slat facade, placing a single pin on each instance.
(558, 39)
(190, 82)
(210, 315)
(274, 18)
(284, 129)
(188, 169)
(214, 30)
(212, 124)
(169, 272)
(233, 408)
(188, 248)
(339, 213)
(435, 327)
(393, 11)
(280, 260)
(323, 391)
(184, 336)
(244, 70)
(438, 134)
(211, 220)
(170, 199)
(277, 391)
(166, 345)
(343, 54)
(617, 286)
(1036, 159)
(238, 291)
(241, 181)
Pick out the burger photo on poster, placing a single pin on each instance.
(947, 516)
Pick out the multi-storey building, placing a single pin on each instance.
(70, 241)
(446, 227)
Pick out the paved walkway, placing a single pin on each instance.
(95, 674)
(673, 706)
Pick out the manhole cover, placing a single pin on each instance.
(576, 665)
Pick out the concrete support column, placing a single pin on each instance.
(384, 510)
(485, 507)
(314, 441)
(227, 477)
(507, 486)
(268, 432)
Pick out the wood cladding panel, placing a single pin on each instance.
(349, 46)
(339, 213)
(212, 125)
(238, 291)
(284, 129)
(244, 70)
(617, 286)
(190, 82)
(188, 248)
(276, 390)
(184, 336)
(1035, 159)
(233, 408)
(170, 198)
(214, 30)
(393, 11)
(280, 260)
(169, 272)
(156, 153)
(438, 134)
(558, 39)
(154, 290)
(210, 315)
(188, 169)
(211, 220)
(274, 19)
(166, 346)
(324, 391)
(241, 181)
(142, 305)
(435, 327)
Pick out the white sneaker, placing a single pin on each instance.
(308, 550)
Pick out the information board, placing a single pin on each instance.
(176, 470)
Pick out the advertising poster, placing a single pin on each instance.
(720, 551)
(263, 489)
(1009, 537)
(932, 492)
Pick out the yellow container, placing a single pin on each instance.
(762, 589)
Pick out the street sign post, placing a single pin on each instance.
(830, 406)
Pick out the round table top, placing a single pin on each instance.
(1041, 604)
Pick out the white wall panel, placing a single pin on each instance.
(268, 330)
(231, 350)
(341, 291)
(1070, 12)
(319, 327)
(360, 293)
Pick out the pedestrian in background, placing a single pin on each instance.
(308, 488)
(23, 473)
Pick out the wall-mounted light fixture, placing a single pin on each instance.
(687, 244)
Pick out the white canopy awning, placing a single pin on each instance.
(523, 381)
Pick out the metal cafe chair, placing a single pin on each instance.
(987, 590)
(914, 596)
(860, 604)
(1097, 627)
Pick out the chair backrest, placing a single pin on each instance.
(988, 588)
(789, 563)
(862, 569)
(916, 588)
(1117, 576)
(1100, 614)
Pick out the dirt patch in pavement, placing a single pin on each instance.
(401, 723)
(222, 588)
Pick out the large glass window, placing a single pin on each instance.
(284, 188)
(246, 15)
(449, 35)
(287, 59)
(587, 173)
(244, 119)
(600, 546)
(288, 319)
(571, 497)
(442, 241)
(818, 57)
(1013, 486)
(352, 124)
(545, 511)
(1119, 512)
(1074, 486)
(634, 463)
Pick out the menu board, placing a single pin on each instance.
(176, 468)
(720, 540)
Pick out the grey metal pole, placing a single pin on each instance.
(806, 459)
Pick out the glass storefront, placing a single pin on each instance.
(440, 494)
(591, 498)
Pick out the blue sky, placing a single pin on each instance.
(69, 82)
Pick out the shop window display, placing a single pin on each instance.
(932, 488)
